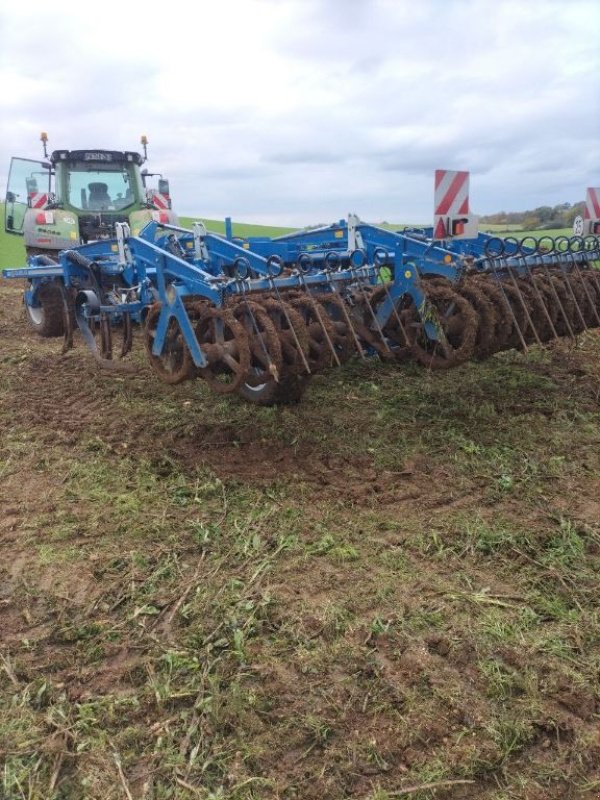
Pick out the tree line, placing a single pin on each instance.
(542, 218)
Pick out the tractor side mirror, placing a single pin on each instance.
(163, 186)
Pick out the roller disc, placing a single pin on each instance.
(174, 365)
(458, 321)
(399, 327)
(225, 343)
(484, 308)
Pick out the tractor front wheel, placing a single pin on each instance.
(47, 319)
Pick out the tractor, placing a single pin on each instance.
(73, 198)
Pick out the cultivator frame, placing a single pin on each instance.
(259, 316)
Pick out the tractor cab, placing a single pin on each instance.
(77, 196)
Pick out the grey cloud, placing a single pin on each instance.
(304, 157)
(368, 98)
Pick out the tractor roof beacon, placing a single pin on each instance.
(77, 196)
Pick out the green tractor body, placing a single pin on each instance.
(77, 196)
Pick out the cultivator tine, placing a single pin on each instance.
(367, 332)
(282, 303)
(592, 271)
(384, 284)
(515, 321)
(103, 356)
(348, 320)
(559, 303)
(540, 298)
(127, 341)
(567, 280)
(317, 311)
(272, 366)
(562, 247)
(67, 323)
(583, 282)
(525, 306)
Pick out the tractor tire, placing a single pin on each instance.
(47, 320)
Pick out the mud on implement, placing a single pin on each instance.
(260, 316)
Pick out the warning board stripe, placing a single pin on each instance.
(38, 200)
(160, 201)
(440, 230)
(452, 189)
(592, 204)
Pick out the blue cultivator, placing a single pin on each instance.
(260, 316)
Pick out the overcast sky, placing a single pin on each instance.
(299, 111)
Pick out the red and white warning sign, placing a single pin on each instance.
(592, 204)
(161, 201)
(590, 222)
(451, 216)
(38, 200)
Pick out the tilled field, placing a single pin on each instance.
(388, 590)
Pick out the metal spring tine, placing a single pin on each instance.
(593, 271)
(540, 297)
(244, 294)
(574, 298)
(570, 288)
(127, 335)
(319, 317)
(348, 319)
(510, 308)
(536, 289)
(106, 335)
(524, 304)
(68, 324)
(289, 322)
(573, 256)
(555, 293)
(396, 314)
(373, 315)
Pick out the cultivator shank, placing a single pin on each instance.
(261, 316)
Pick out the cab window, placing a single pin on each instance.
(97, 189)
